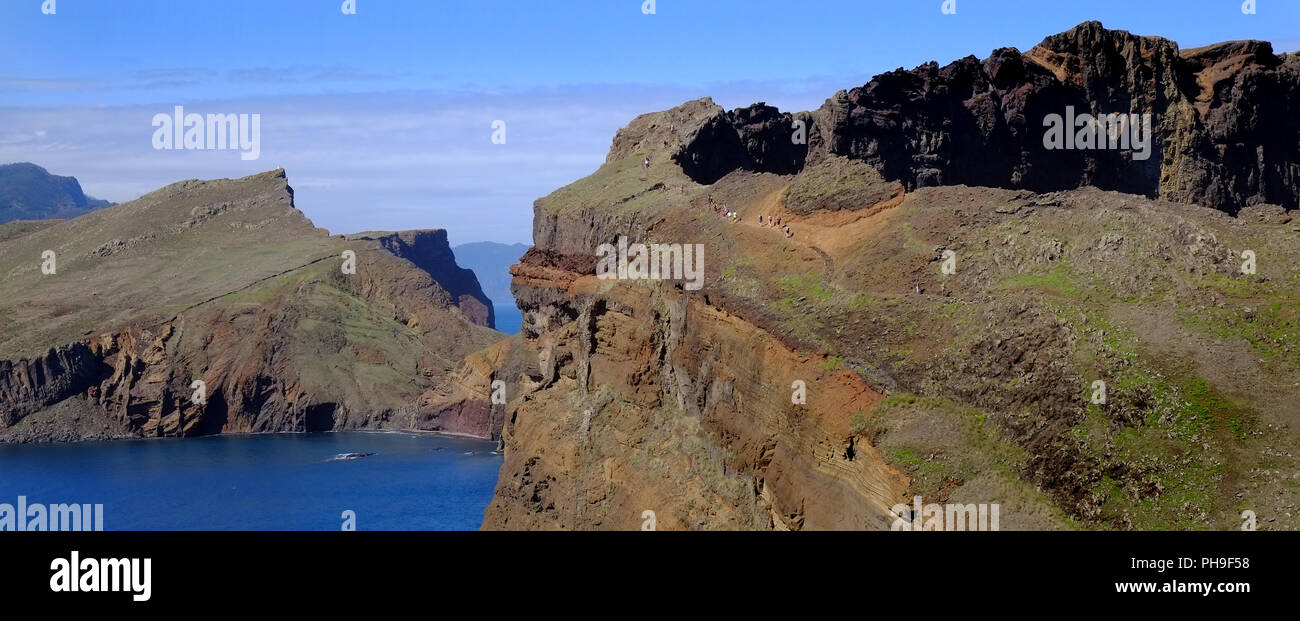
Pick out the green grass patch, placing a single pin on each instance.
(1060, 280)
(808, 286)
(1271, 328)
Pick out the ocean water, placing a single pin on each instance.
(262, 482)
(508, 318)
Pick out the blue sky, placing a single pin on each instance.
(383, 118)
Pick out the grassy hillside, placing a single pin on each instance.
(989, 372)
(227, 282)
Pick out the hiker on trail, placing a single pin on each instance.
(778, 220)
(760, 219)
(647, 162)
(788, 232)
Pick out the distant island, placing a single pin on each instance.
(29, 192)
(491, 262)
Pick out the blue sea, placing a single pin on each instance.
(508, 318)
(263, 482)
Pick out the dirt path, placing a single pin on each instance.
(827, 233)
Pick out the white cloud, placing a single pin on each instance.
(373, 161)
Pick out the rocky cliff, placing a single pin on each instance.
(653, 399)
(429, 251)
(909, 340)
(29, 192)
(226, 283)
(1225, 128)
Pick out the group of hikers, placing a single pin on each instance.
(769, 221)
(721, 209)
(776, 222)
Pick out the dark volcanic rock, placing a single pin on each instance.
(1225, 122)
(758, 138)
(28, 385)
(768, 136)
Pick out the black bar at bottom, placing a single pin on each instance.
(549, 569)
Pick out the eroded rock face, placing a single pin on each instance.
(464, 402)
(652, 399)
(770, 139)
(627, 398)
(256, 308)
(29, 385)
(429, 251)
(759, 138)
(1224, 122)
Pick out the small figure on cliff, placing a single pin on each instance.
(647, 162)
